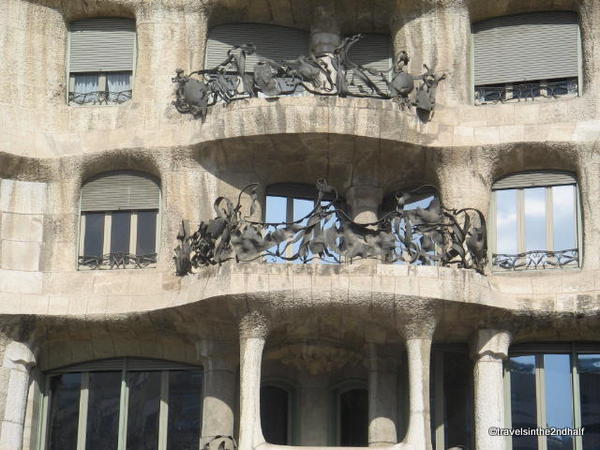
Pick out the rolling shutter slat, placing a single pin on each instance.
(120, 191)
(373, 51)
(535, 179)
(271, 41)
(526, 47)
(102, 45)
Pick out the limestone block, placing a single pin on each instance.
(20, 282)
(22, 197)
(20, 255)
(19, 227)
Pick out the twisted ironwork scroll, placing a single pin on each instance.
(434, 235)
(117, 260)
(332, 73)
(537, 259)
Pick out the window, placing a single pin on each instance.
(293, 202)
(101, 61)
(374, 52)
(353, 418)
(123, 403)
(526, 56)
(535, 216)
(275, 408)
(554, 387)
(119, 221)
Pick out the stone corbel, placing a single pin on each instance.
(491, 345)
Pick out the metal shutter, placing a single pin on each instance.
(374, 52)
(535, 179)
(526, 47)
(271, 41)
(102, 45)
(120, 191)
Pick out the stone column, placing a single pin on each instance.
(490, 348)
(18, 361)
(218, 400)
(418, 350)
(253, 333)
(383, 395)
(364, 201)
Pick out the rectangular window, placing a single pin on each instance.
(185, 400)
(146, 233)
(144, 406)
(103, 411)
(64, 414)
(94, 234)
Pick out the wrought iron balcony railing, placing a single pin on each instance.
(423, 236)
(507, 93)
(331, 72)
(536, 260)
(117, 260)
(99, 97)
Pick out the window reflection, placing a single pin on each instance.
(506, 221)
(557, 382)
(144, 406)
(185, 400)
(523, 400)
(93, 242)
(535, 219)
(588, 367)
(103, 412)
(64, 411)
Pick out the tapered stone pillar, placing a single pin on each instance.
(383, 405)
(490, 348)
(17, 363)
(418, 437)
(253, 334)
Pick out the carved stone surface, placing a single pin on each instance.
(434, 235)
(327, 70)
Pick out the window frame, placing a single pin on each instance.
(292, 412)
(542, 82)
(538, 351)
(520, 220)
(108, 225)
(102, 76)
(142, 365)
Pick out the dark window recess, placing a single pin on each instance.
(146, 232)
(354, 418)
(274, 407)
(64, 411)
(143, 415)
(185, 409)
(103, 411)
(94, 234)
(120, 231)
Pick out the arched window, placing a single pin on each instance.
(353, 417)
(535, 221)
(119, 220)
(123, 403)
(101, 60)
(526, 56)
(275, 414)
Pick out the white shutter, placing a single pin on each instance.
(102, 45)
(526, 47)
(535, 179)
(374, 52)
(271, 41)
(120, 191)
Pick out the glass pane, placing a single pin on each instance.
(119, 86)
(559, 399)
(119, 233)
(144, 404)
(565, 217)
(423, 203)
(354, 418)
(93, 241)
(522, 398)
(274, 414)
(535, 219)
(64, 411)
(275, 209)
(185, 403)
(506, 222)
(302, 208)
(146, 232)
(103, 411)
(85, 87)
(588, 367)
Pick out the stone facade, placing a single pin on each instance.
(231, 318)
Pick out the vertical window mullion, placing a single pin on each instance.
(540, 395)
(578, 441)
(163, 425)
(521, 221)
(133, 233)
(123, 407)
(82, 230)
(43, 434)
(578, 226)
(83, 410)
(440, 429)
(107, 232)
(493, 237)
(507, 402)
(549, 219)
